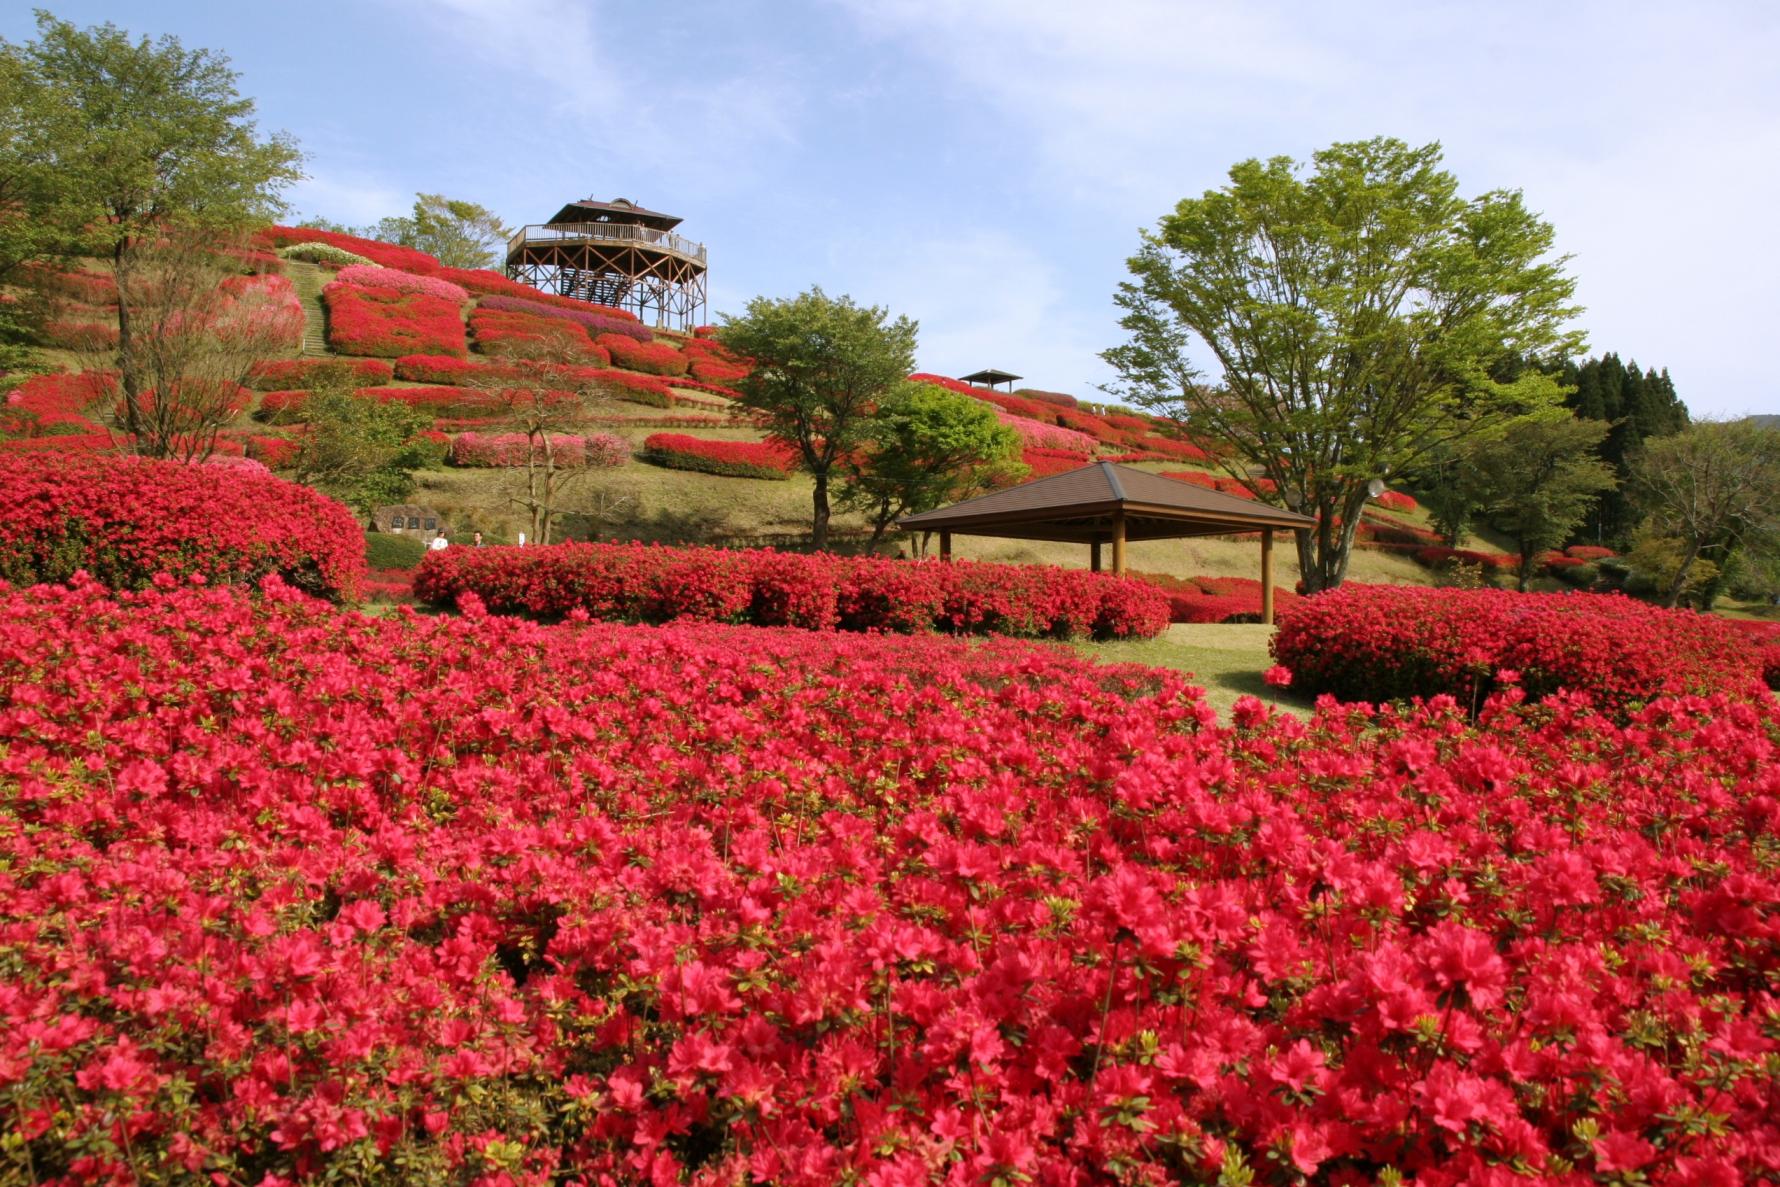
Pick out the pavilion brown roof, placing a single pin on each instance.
(1080, 505)
(991, 376)
(618, 210)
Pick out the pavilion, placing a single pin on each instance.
(1107, 503)
(991, 378)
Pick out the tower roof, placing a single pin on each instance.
(618, 210)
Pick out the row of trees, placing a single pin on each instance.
(459, 233)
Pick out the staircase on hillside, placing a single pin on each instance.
(307, 279)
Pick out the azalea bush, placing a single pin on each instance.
(321, 253)
(590, 319)
(521, 333)
(645, 583)
(1380, 642)
(1216, 599)
(389, 322)
(516, 449)
(651, 358)
(377, 277)
(56, 404)
(1049, 436)
(301, 896)
(125, 519)
(735, 459)
(286, 374)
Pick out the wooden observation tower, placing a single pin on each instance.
(614, 253)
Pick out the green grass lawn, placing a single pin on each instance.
(1224, 659)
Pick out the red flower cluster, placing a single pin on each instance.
(388, 322)
(125, 520)
(290, 893)
(1243, 488)
(55, 404)
(651, 358)
(389, 255)
(275, 452)
(1396, 500)
(1043, 463)
(1435, 555)
(1216, 599)
(1060, 399)
(1381, 642)
(1765, 636)
(592, 319)
(283, 374)
(735, 459)
(505, 333)
(1171, 447)
(642, 583)
(378, 277)
(1589, 552)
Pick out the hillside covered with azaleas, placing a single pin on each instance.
(286, 891)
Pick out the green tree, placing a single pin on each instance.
(927, 447)
(1714, 488)
(461, 234)
(1638, 405)
(363, 452)
(1538, 480)
(821, 366)
(132, 138)
(1351, 316)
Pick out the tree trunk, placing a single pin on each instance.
(1673, 596)
(819, 527)
(132, 386)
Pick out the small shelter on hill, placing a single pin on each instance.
(1104, 503)
(989, 377)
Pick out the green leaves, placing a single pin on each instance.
(1346, 321)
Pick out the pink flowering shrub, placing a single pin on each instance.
(377, 277)
(634, 582)
(515, 449)
(389, 323)
(286, 374)
(518, 333)
(275, 452)
(1381, 642)
(592, 320)
(124, 520)
(735, 459)
(300, 896)
(1043, 463)
(1049, 436)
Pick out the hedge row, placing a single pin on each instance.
(1378, 643)
(733, 459)
(125, 519)
(644, 583)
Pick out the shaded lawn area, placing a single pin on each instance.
(1225, 660)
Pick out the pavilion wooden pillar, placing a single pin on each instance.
(945, 547)
(1094, 556)
(1119, 543)
(1267, 576)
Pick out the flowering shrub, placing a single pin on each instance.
(98, 442)
(96, 289)
(515, 449)
(1060, 399)
(275, 452)
(1172, 448)
(1435, 555)
(440, 401)
(283, 374)
(260, 307)
(1043, 463)
(1216, 599)
(1252, 487)
(377, 277)
(651, 358)
(1048, 436)
(635, 582)
(735, 459)
(1589, 552)
(54, 404)
(508, 333)
(124, 520)
(389, 323)
(321, 253)
(388, 255)
(717, 371)
(1383, 642)
(291, 893)
(1396, 500)
(593, 319)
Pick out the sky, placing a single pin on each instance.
(985, 166)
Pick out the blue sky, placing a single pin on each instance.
(984, 165)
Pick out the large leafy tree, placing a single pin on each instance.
(126, 139)
(1714, 490)
(460, 234)
(1538, 480)
(821, 367)
(927, 447)
(362, 451)
(1348, 318)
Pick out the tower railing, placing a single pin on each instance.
(605, 233)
